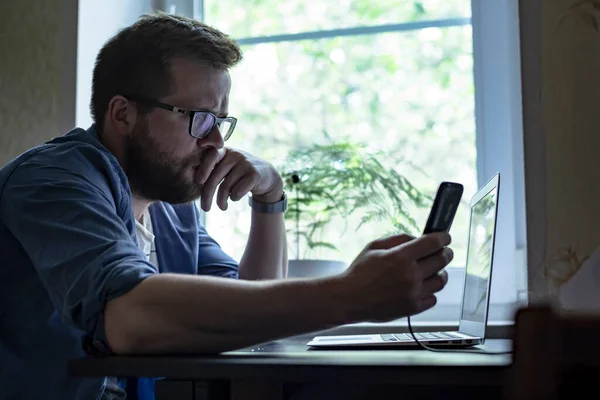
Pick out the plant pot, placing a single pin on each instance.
(315, 268)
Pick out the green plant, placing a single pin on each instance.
(325, 181)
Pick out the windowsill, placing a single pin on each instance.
(495, 329)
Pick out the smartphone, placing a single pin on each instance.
(444, 207)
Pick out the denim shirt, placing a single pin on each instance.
(67, 246)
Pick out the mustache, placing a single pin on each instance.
(193, 161)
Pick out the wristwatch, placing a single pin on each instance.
(269, 208)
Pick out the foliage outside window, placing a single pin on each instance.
(406, 95)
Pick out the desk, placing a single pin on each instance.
(290, 361)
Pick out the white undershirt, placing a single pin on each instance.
(145, 238)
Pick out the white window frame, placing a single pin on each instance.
(499, 138)
(499, 127)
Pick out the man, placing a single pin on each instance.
(102, 248)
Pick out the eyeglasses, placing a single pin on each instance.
(201, 122)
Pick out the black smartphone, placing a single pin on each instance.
(444, 207)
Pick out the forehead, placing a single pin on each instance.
(199, 86)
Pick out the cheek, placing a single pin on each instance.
(171, 135)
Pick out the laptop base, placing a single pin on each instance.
(398, 340)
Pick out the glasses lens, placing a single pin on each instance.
(226, 127)
(202, 124)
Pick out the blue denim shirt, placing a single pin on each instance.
(67, 246)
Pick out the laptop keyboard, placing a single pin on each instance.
(395, 337)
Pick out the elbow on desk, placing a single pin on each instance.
(121, 333)
(130, 330)
(132, 325)
(137, 324)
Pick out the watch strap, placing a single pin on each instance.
(269, 208)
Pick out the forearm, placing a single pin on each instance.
(173, 313)
(265, 256)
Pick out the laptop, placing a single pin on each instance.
(475, 293)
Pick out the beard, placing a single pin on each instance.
(156, 175)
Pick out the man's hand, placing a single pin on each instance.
(237, 173)
(397, 276)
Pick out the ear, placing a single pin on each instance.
(121, 115)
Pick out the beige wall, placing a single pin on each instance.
(561, 92)
(38, 52)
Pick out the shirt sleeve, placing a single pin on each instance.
(212, 260)
(66, 220)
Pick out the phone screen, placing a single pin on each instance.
(444, 207)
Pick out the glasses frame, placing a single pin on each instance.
(191, 114)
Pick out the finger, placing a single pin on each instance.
(431, 265)
(435, 283)
(233, 177)
(210, 158)
(424, 246)
(426, 303)
(217, 176)
(206, 197)
(220, 171)
(207, 193)
(242, 188)
(390, 241)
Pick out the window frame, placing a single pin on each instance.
(499, 137)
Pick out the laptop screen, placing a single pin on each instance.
(479, 258)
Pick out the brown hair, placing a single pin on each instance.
(136, 60)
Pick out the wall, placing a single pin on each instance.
(47, 54)
(561, 92)
(38, 42)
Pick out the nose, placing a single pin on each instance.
(213, 139)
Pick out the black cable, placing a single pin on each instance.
(475, 351)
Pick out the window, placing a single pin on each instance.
(434, 84)
(295, 93)
(96, 23)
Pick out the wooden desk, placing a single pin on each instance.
(262, 368)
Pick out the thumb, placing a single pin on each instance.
(390, 242)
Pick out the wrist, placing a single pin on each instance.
(270, 197)
(267, 204)
(342, 299)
